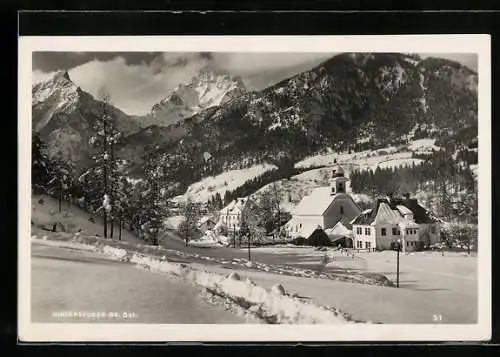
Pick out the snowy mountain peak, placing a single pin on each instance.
(208, 88)
(62, 75)
(59, 88)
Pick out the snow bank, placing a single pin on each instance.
(273, 305)
(117, 253)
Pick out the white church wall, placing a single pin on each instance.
(341, 207)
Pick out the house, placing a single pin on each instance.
(324, 207)
(395, 220)
(206, 224)
(341, 233)
(230, 216)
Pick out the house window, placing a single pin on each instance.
(407, 243)
(341, 209)
(367, 245)
(301, 225)
(383, 231)
(367, 231)
(359, 230)
(359, 244)
(341, 187)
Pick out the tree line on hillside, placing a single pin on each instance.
(452, 185)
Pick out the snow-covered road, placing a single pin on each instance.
(68, 280)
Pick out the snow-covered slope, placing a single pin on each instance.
(371, 159)
(203, 190)
(423, 146)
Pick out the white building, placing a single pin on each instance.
(393, 220)
(324, 207)
(230, 216)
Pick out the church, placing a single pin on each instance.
(323, 208)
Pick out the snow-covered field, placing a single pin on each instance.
(273, 305)
(203, 190)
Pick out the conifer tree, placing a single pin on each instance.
(102, 178)
(152, 206)
(40, 164)
(61, 172)
(188, 229)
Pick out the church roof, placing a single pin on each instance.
(338, 171)
(316, 203)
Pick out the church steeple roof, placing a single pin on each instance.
(338, 171)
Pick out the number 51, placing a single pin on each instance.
(437, 318)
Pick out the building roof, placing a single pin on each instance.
(339, 230)
(420, 214)
(316, 203)
(338, 171)
(305, 231)
(346, 222)
(235, 206)
(392, 211)
(205, 219)
(387, 214)
(404, 210)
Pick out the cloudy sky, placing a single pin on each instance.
(137, 80)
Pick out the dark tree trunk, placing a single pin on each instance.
(249, 257)
(105, 217)
(112, 228)
(120, 230)
(60, 195)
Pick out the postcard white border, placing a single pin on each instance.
(67, 332)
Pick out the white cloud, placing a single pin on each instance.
(39, 76)
(133, 88)
(253, 63)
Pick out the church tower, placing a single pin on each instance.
(339, 181)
